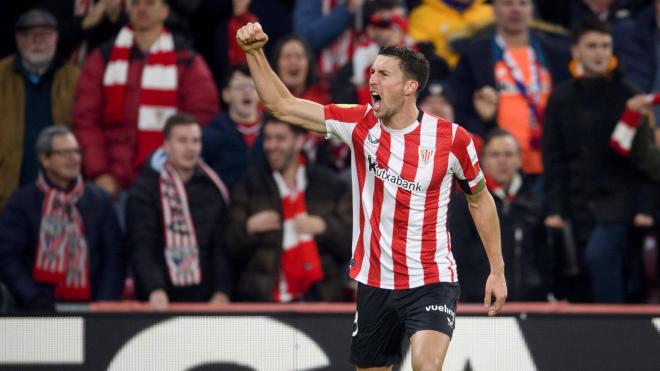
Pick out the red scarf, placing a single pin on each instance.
(249, 131)
(158, 88)
(300, 262)
(181, 247)
(625, 130)
(504, 194)
(62, 257)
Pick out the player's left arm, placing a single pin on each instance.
(484, 213)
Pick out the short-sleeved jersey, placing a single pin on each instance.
(402, 182)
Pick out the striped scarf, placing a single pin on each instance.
(625, 130)
(158, 88)
(62, 253)
(181, 247)
(300, 263)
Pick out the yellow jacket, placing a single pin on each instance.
(439, 23)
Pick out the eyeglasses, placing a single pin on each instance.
(66, 152)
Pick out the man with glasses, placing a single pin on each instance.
(59, 236)
(36, 91)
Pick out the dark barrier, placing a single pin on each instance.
(316, 337)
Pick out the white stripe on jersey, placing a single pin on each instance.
(428, 138)
(394, 165)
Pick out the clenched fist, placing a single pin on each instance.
(251, 37)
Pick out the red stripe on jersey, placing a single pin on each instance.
(382, 158)
(359, 136)
(348, 113)
(460, 149)
(429, 231)
(402, 209)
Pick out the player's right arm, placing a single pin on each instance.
(274, 95)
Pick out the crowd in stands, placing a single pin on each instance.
(137, 162)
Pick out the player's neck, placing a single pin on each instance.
(403, 118)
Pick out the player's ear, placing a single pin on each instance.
(410, 87)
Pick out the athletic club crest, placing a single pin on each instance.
(425, 155)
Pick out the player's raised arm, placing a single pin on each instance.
(274, 95)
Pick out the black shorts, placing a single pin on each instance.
(382, 316)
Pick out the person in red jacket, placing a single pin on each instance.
(128, 88)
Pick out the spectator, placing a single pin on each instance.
(442, 21)
(386, 25)
(328, 26)
(129, 87)
(289, 225)
(293, 61)
(60, 238)
(520, 212)
(36, 91)
(567, 13)
(504, 80)
(233, 139)
(175, 216)
(241, 16)
(636, 43)
(436, 99)
(588, 183)
(9, 13)
(85, 24)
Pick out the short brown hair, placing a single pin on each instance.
(270, 119)
(178, 119)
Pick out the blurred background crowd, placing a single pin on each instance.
(137, 163)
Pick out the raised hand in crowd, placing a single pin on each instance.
(485, 103)
(264, 221)
(104, 8)
(640, 103)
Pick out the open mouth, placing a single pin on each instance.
(375, 100)
(293, 72)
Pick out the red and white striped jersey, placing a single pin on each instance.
(402, 182)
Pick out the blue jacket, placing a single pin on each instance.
(635, 45)
(19, 232)
(224, 149)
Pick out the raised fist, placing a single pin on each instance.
(251, 37)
